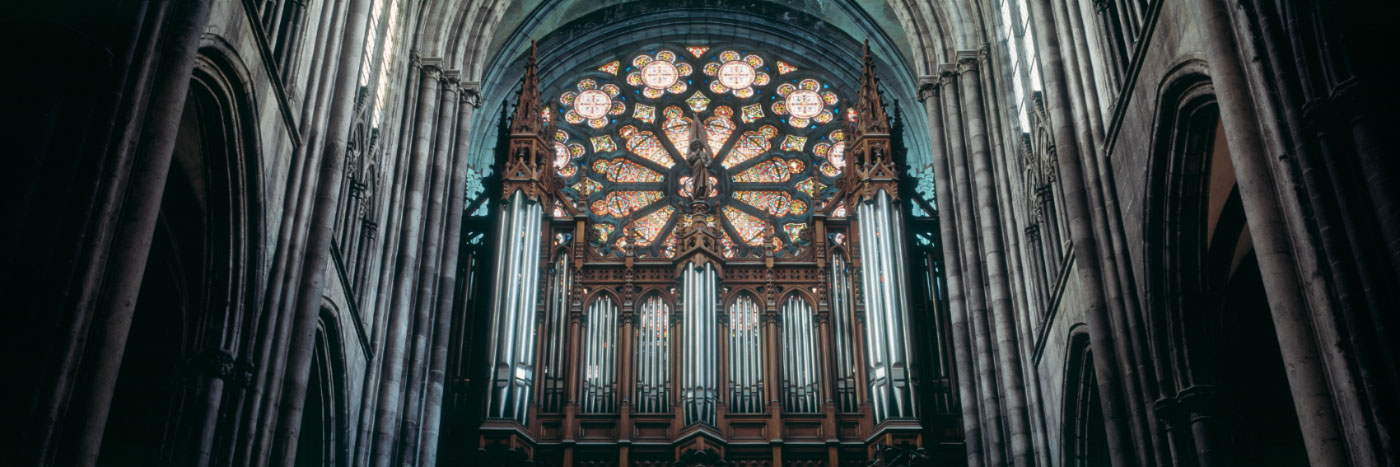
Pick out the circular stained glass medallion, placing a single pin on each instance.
(592, 103)
(659, 74)
(804, 103)
(736, 74)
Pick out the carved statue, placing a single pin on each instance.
(699, 158)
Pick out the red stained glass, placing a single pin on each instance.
(621, 170)
(648, 227)
(777, 203)
(718, 128)
(646, 145)
(622, 203)
(775, 170)
(749, 227)
(750, 145)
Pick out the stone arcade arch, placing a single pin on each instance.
(1225, 400)
(193, 314)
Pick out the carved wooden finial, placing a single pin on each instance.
(870, 110)
(529, 115)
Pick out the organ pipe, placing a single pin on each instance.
(800, 372)
(882, 274)
(513, 309)
(841, 313)
(700, 289)
(553, 368)
(746, 352)
(600, 358)
(653, 357)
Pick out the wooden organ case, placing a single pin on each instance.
(782, 356)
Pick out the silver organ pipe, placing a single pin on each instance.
(746, 348)
(842, 327)
(700, 289)
(513, 309)
(598, 388)
(800, 370)
(553, 365)
(653, 357)
(882, 274)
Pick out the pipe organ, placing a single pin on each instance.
(512, 350)
(760, 316)
(698, 354)
(745, 357)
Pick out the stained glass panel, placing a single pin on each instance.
(648, 227)
(586, 187)
(625, 192)
(794, 143)
(752, 113)
(777, 203)
(811, 187)
(775, 170)
(718, 128)
(621, 170)
(749, 227)
(624, 203)
(644, 113)
(750, 145)
(603, 230)
(611, 67)
(646, 145)
(794, 231)
(677, 128)
(698, 102)
(603, 143)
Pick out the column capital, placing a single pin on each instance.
(1198, 400)
(432, 67)
(214, 363)
(928, 87)
(967, 61)
(947, 75)
(471, 93)
(450, 80)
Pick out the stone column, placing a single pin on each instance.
(276, 320)
(318, 243)
(395, 345)
(947, 225)
(1306, 378)
(446, 299)
(993, 249)
(427, 279)
(131, 244)
(990, 399)
(1086, 249)
(1110, 263)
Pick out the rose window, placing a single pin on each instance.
(624, 149)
